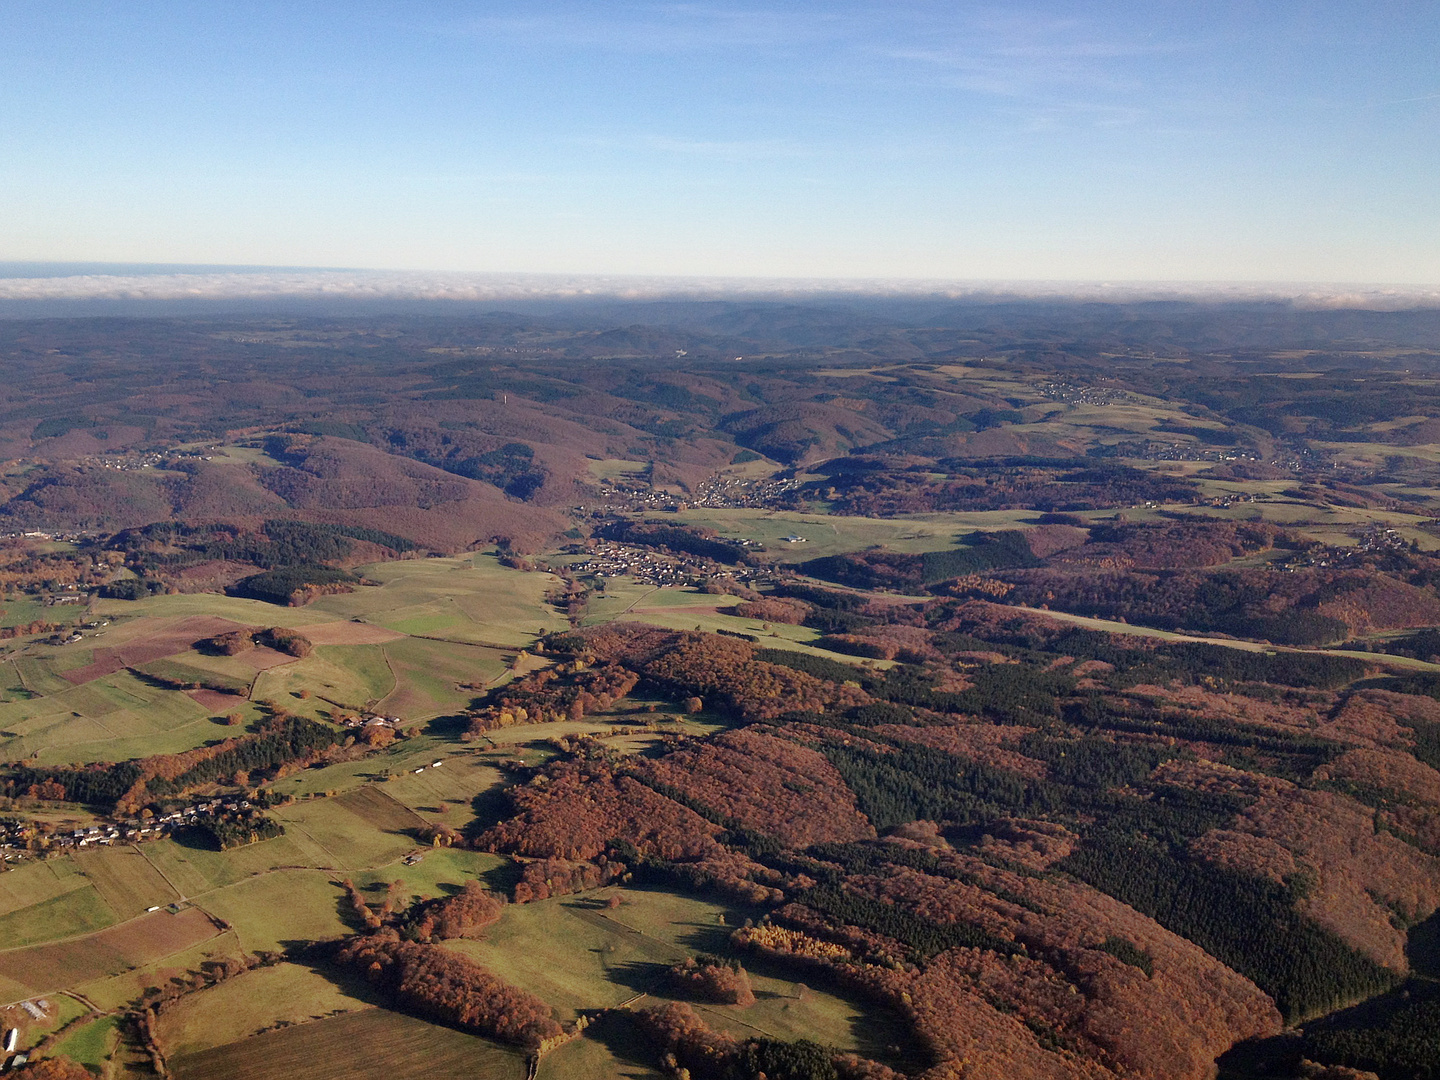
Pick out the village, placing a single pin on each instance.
(718, 492)
(1369, 541)
(21, 839)
(721, 492)
(654, 568)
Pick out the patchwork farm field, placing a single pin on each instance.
(118, 991)
(35, 882)
(375, 1042)
(110, 696)
(423, 645)
(359, 829)
(472, 599)
(127, 881)
(74, 912)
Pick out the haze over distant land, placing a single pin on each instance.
(78, 289)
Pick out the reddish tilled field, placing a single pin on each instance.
(129, 945)
(215, 701)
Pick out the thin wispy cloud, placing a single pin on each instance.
(1408, 100)
(1041, 71)
(1030, 72)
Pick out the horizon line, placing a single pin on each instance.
(58, 282)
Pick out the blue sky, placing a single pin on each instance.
(1293, 140)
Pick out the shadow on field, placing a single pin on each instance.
(490, 807)
(640, 976)
(448, 727)
(617, 1031)
(305, 954)
(502, 878)
(188, 836)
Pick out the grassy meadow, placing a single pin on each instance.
(576, 954)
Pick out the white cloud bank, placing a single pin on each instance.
(374, 286)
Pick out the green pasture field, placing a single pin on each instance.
(1321, 522)
(233, 668)
(125, 879)
(249, 1004)
(236, 455)
(373, 805)
(91, 1044)
(1134, 630)
(366, 664)
(74, 912)
(373, 1042)
(615, 468)
(160, 708)
(590, 1058)
(752, 470)
(11, 686)
(40, 674)
(452, 787)
(1373, 455)
(108, 719)
(21, 610)
(398, 759)
(235, 608)
(197, 871)
(1116, 422)
(36, 882)
(429, 676)
(686, 609)
(286, 905)
(472, 599)
(342, 831)
(616, 600)
(350, 675)
(833, 535)
(575, 954)
(441, 870)
(180, 671)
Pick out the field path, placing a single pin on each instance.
(178, 891)
(1134, 630)
(335, 863)
(637, 600)
(394, 677)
